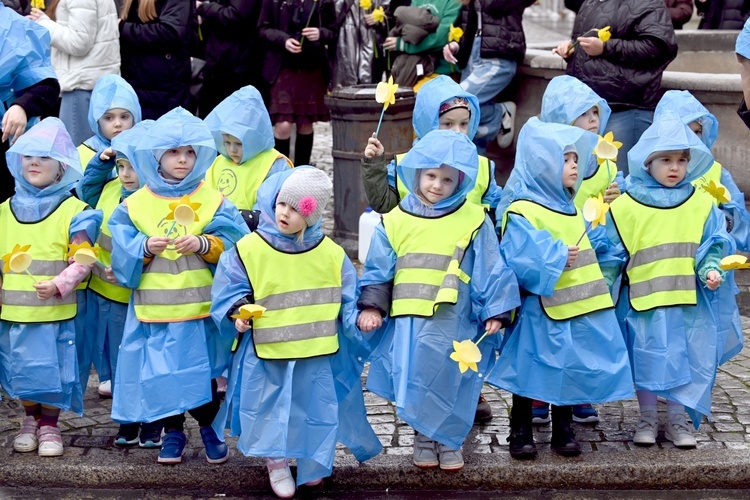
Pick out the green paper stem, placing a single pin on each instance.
(481, 338)
(307, 25)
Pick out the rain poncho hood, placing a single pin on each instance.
(110, 91)
(126, 142)
(667, 133)
(689, 109)
(426, 115)
(174, 129)
(244, 116)
(24, 55)
(440, 147)
(567, 98)
(742, 46)
(537, 173)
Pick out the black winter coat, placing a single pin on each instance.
(723, 14)
(628, 73)
(231, 38)
(502, 31)
(156, 55)
(277, 25)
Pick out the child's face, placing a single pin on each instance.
(127, 175)
(288, 220)
(570, 170)
(177, 163)
(40, 171)
(457, 119)
(436, 184)
(114, 121)
(697, 128)
(589, 120)
(233, 147)
(669, 169)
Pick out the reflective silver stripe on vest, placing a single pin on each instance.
(190, 262)
(18, 298)
(662, 284)
(45, 267)
(105, 242)
(585, 258)
(299, 298)
(422, 291)
(576, 293)
(661, 252)
(172, 297)
(428, 260)
(290, 333)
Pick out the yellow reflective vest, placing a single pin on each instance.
(596, 184)
(173, 287)
(662, 244)
(481, 186)
(240, 183)
(86, 154)
(429, 251)
(302, 296)
(48, 240)
(581, 288)
(108, 202)
(713, 174)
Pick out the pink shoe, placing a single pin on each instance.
(282, 482)
(26, 439)
(50, 441)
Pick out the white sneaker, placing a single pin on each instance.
(507, 127)
(282, 482)
(26, 439)
(105, 389)
(679, 432)
(646, 430)
(50, 442)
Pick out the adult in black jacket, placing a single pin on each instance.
(722, 14)
(626, 70)
(231, 49)
(155, 38)
(23, 7)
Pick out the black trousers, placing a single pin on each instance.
(204, 414)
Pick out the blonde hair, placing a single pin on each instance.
(146, 10)
(301, 236)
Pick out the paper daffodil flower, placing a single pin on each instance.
(731, 262)
(595, 210)
(466, 354)
(720, 193)
(606, 148)
(183, 211)
(379, 15)
(365, 4)
(249, 311)
(455, 34)
(18, 259)
(74, 248)
(385, 92)
(604, 34)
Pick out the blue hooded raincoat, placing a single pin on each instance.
(300, 408)
(675, 350)
(411, 364)
(166, 368)
(575, 361)
(39, 361)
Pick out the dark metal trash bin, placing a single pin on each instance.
(354, 118)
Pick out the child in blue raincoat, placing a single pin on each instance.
(564, 347)
(38, 361)
(294, 388)
(435, 274)
(673, 238)
(171, 350)
(243, 135)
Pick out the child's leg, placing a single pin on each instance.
(521, 439)
(303, 144)
(26, 440)
(648, 426)
(678, 430)
(216, 451)
(563, 438)
(282, 133)
(50, 441)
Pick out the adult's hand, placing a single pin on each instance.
(14, 123)
(591, 45)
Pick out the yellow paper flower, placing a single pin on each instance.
(731, 262)
(84, 245)
(455, 34)
(183, 211)
(379, 15)
(595, 210)
(720, 193)
(604, 34)
(606, 148)
(249, 311)
(13, 256)
(385, 92)
(38, 4)
(466, 354)
(365, 4)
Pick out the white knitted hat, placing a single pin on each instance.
(307, 190)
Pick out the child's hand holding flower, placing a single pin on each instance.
(187, 244)
(45, 290)
(157, 244)
(374, 147)
(612, 193)
(242, 325)
(713, 280)
(492, 326)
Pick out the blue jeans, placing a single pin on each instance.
(627, 127)
(74, 113)
(485, 78)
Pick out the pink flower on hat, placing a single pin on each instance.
(307, 205)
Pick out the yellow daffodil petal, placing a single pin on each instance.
(720, 193)
(606, 148)
(455, 34)
(365, 4)
(20, 261)
(249, 311)
(385, 92)
(604, 34)
(474, 367)
(731, 262)
(378, 15)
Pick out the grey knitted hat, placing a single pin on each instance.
(657, 154)
(570, 148)
(307, 190)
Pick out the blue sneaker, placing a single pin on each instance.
(173, 448)
(216, 451)
(150, 435)
(585, 414)
(539, 412)
(127, 435)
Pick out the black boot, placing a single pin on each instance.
(521, 439)
(563, 438)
